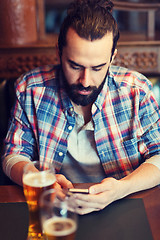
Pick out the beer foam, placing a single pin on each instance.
(50, 226)
(39, 179)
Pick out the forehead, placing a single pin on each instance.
(82, 50)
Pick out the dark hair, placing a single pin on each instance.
(91, 19)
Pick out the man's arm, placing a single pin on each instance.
(109, 190)
(17, 172)
(13, 166)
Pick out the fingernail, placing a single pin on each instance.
(91, 191)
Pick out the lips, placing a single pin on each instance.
(84, 92)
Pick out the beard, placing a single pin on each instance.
(80, 99)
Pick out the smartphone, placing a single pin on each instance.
(78, 190)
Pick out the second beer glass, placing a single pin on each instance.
(37, 178)
(59, 221)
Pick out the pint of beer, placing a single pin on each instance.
(58, 221)
(37, 178)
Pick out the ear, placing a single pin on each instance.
(113, 56)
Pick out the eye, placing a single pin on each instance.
(96, 69)
(74, 66)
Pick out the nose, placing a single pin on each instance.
(85, 77)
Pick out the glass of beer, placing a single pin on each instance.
(58, 218)
(37, 177)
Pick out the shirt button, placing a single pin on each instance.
(71, 112)
(103, 154)
(60, 154)
(70, 128)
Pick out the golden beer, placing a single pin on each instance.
(58, 228)
(34, 184)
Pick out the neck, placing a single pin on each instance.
(85, 111)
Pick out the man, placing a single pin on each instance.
(95, 122)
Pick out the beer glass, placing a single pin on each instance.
(58, 219)
(37, 177)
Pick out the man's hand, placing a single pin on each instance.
(109, 190)
(62, 182)
(100, 195)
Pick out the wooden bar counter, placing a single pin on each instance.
(151, 200)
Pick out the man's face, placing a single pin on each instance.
(85, 65)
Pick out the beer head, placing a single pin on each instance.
(39, 179)
(59, 227)
(38, 174)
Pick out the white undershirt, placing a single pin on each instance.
(81, 163)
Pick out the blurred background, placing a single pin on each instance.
(133, 25)
(135, 22)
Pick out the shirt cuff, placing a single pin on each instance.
(11, 160)
(155, 160)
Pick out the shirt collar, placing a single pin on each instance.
(102, 96)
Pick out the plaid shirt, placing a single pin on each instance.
(125, 115)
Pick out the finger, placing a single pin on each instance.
(88, 197)
(99, 201)
(82, 211)
(63, 181)
(95, 189)
(57, 186)
(88, 204)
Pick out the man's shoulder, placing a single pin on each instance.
(129, 78)
(45, 76)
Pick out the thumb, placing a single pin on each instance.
(63, 181)
(95, 189)
(100, 187)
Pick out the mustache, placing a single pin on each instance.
(80, 87)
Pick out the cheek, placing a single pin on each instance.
(70, 75)
(98, 79)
